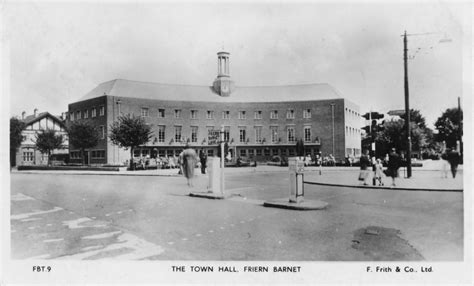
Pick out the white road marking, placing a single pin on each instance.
(31, 227)
(198, 234)
(93, 247)
(119, 212)
(75, 223)
(27, 215)
(31, 219)
(184, 239)
(49, 224)
(222, 227)
(102, 235)
(170, 243)
(21, 197)
(107, 214)
(71, 212)
(211, 231)
(142, 249)
(43, 256)
(53, 240)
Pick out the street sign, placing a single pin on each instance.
(213, 136)
(399, 112)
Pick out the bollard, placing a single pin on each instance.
(296, 171)
(214, 169)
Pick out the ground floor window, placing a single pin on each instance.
(274, 152)
(98, 154)
(259, 152)
(243, 152)
(210, 153)
(251, 152)
(266, 152)
(161, 153)
(28, 156)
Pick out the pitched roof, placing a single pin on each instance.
(160, 91)
(30, 119)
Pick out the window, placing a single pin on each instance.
(71, 116)
(242, 115)
(161, 133)
(258, 134)
(194, 133)
(251, 152)
(194, 114)
(226, 114)
(291, 152)
(243, 152)
(266, 152)
(274, 152)
(102, 132)
(101, 111)
(307, 113)
(290, 114)
(307, 134)
(86, 114)
(94, 112)
(161, 153)
(274, 114)
(274, 133)
(28, 156)
(177, 133)
(75, 155)
(257, 114)
(226, 133)
(78, 114)
(242, 136)
(177, 113)
(210, 153)
(98, 154)
(161, 113)
(210, 114)
(145, 112)
(259, 152)
(291, 134)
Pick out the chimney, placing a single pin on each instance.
(23, 115)
(35, 112)
(62, 115)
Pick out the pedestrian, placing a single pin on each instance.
(189, 159)
(364, 165)
(374, 176)
(454, 159)
(393, 165)
(379, 171)
(203, 159)
(444, 164)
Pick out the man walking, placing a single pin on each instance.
(454, 158)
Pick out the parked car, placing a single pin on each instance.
(278, 161)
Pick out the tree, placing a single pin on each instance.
(47, 141)
(16, 137)
(449, 126)
(83, 135)
(130, 132)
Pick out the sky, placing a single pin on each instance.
(59, 52)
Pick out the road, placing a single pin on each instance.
(153, 218)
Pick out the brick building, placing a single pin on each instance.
(259, 122)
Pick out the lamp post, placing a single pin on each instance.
(407, 97)
(407, 105)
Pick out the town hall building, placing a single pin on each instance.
(258, 121)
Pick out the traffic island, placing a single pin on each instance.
(296, 200)
(207, 195)
(302, 205)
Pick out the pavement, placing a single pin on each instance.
(430, 177)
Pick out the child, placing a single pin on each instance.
(379, 171)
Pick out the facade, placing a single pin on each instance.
(258, 122)
(27, 153)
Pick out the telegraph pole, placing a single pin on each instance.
(407, 105)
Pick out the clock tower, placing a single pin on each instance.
(223, 85)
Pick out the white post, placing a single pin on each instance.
(222, 160)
